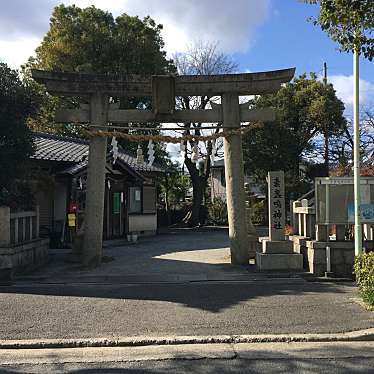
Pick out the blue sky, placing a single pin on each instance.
(260, 34)
(287, 39)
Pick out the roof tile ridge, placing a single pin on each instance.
(60, 137)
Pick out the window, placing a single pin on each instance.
(135, 200)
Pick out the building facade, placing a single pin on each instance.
(60, 169)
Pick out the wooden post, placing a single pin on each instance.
(16, 233)
(94, 211)
(235, 182)
(322, 232)
(4, 226)
(340, 232)
(37, 221)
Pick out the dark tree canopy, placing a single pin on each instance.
(17, 102)
(304, 108)
(348, 22)
(91, 40)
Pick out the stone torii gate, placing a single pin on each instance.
(164, 89)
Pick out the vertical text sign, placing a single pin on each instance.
(276, 205)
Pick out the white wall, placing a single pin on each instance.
(142, 222)
(218, 190)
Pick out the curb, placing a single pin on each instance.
(360, 335)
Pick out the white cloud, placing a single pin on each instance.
(233, 24)
(174, 152)
(16, 52)
(343, 85)
(21, 18)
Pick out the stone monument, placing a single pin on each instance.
(277, 252)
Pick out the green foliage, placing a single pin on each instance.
(175, 187)
(19, 196)
(364, 272)
(90, 40)
(259, 212)
(217, 212)
(18, 100)
(304, 108)
(348, 22)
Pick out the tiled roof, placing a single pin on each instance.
(54, 147)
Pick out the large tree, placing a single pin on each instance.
(304, 109)
(18, 100)
(202, 58)
(90, 40)
(93, 41)
(348, 22)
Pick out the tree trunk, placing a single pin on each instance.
(199, 183)
(198, 194)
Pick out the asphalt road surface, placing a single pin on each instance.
(176, 284)
(192, 308)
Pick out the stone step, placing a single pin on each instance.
(277, 247)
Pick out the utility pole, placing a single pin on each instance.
(356, 154)
(325, 73)
(326, 156)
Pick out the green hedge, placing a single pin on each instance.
(364, 272)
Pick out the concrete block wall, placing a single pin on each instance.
(143, 224)
(23, 257)
(342, 258)
(299, 246)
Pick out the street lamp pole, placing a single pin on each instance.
(356, 154)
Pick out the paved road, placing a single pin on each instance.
(353, 357)
(197, 308)
(176, 284)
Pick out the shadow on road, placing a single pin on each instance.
(169, 286)
(332, 360)
(190, 268)
(193, 262)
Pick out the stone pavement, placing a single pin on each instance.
(178, 255)
(177, 284)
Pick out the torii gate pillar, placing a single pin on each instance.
(94, 210)
(234, 175)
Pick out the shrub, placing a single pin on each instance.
(364, 272)
(19, 197)
(259, 212)
(217, 212)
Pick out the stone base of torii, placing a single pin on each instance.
(164, 89)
